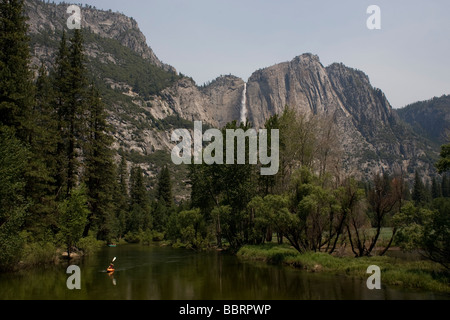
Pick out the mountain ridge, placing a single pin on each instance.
(374, 137)
(430, 118)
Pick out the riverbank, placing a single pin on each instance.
(424, 275)
(43, 253)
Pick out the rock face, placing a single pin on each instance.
(302, 84)
(371, 133)
(45, 17)
(215, 104)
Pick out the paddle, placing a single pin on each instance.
(114, 259)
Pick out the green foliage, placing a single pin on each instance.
(130, 67)
(428, 118)
(411, 222)
(73, 214)
(269, 252)
(420, 194)
(395, 272)
(445, 186)
(16, 87)
(164, 187)
(437, 233)
(230, 185)
(138, 217)
(426, 229)
(36, 251)
(160, 214)
(270, 214)
(13, 202)
(144, 236)
(54, 140)
(140, 209)
(443, 164)
(89, 244)
(99, 171)
(191, 228)
(121, 199)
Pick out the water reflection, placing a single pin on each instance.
(155, 273)
(113, 280)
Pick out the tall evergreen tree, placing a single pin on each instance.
(138, 192)
(99, 169)
(436, 190)
(121, 198)
(16, 85)
(139, 217)
(43, 144)
(419, 193)
(443, 164)
(13, 203)
(72, 98)
(61, 84)
(27, 120)
(445, 186)
(164, 187)
(77, 107)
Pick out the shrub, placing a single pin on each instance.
(89, 244)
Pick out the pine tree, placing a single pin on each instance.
(16, 85)
(99, 170)
(436, 190)
(138, 192)
(77, 106)
(61, 84)
(164, 187)
(43, 143)
(121, 198)
(443, 164)
(139, 217)
(445, 186)
(160, 209)
(25, 111)
(45, 117)
(13, 203)
(419, 194)
(71, 100)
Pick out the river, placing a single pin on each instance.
(164, 273)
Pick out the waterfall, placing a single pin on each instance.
(244, 105)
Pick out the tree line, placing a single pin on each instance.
(313, 205)
(61, 186)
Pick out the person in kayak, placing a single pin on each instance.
(111, 265)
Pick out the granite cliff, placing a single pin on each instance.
(146, 98)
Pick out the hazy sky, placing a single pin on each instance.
(408, 58)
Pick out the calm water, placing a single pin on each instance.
(178, 274)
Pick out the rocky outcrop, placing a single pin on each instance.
(215, 104)
(47, 18)
(302, 84)
(371, 133)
